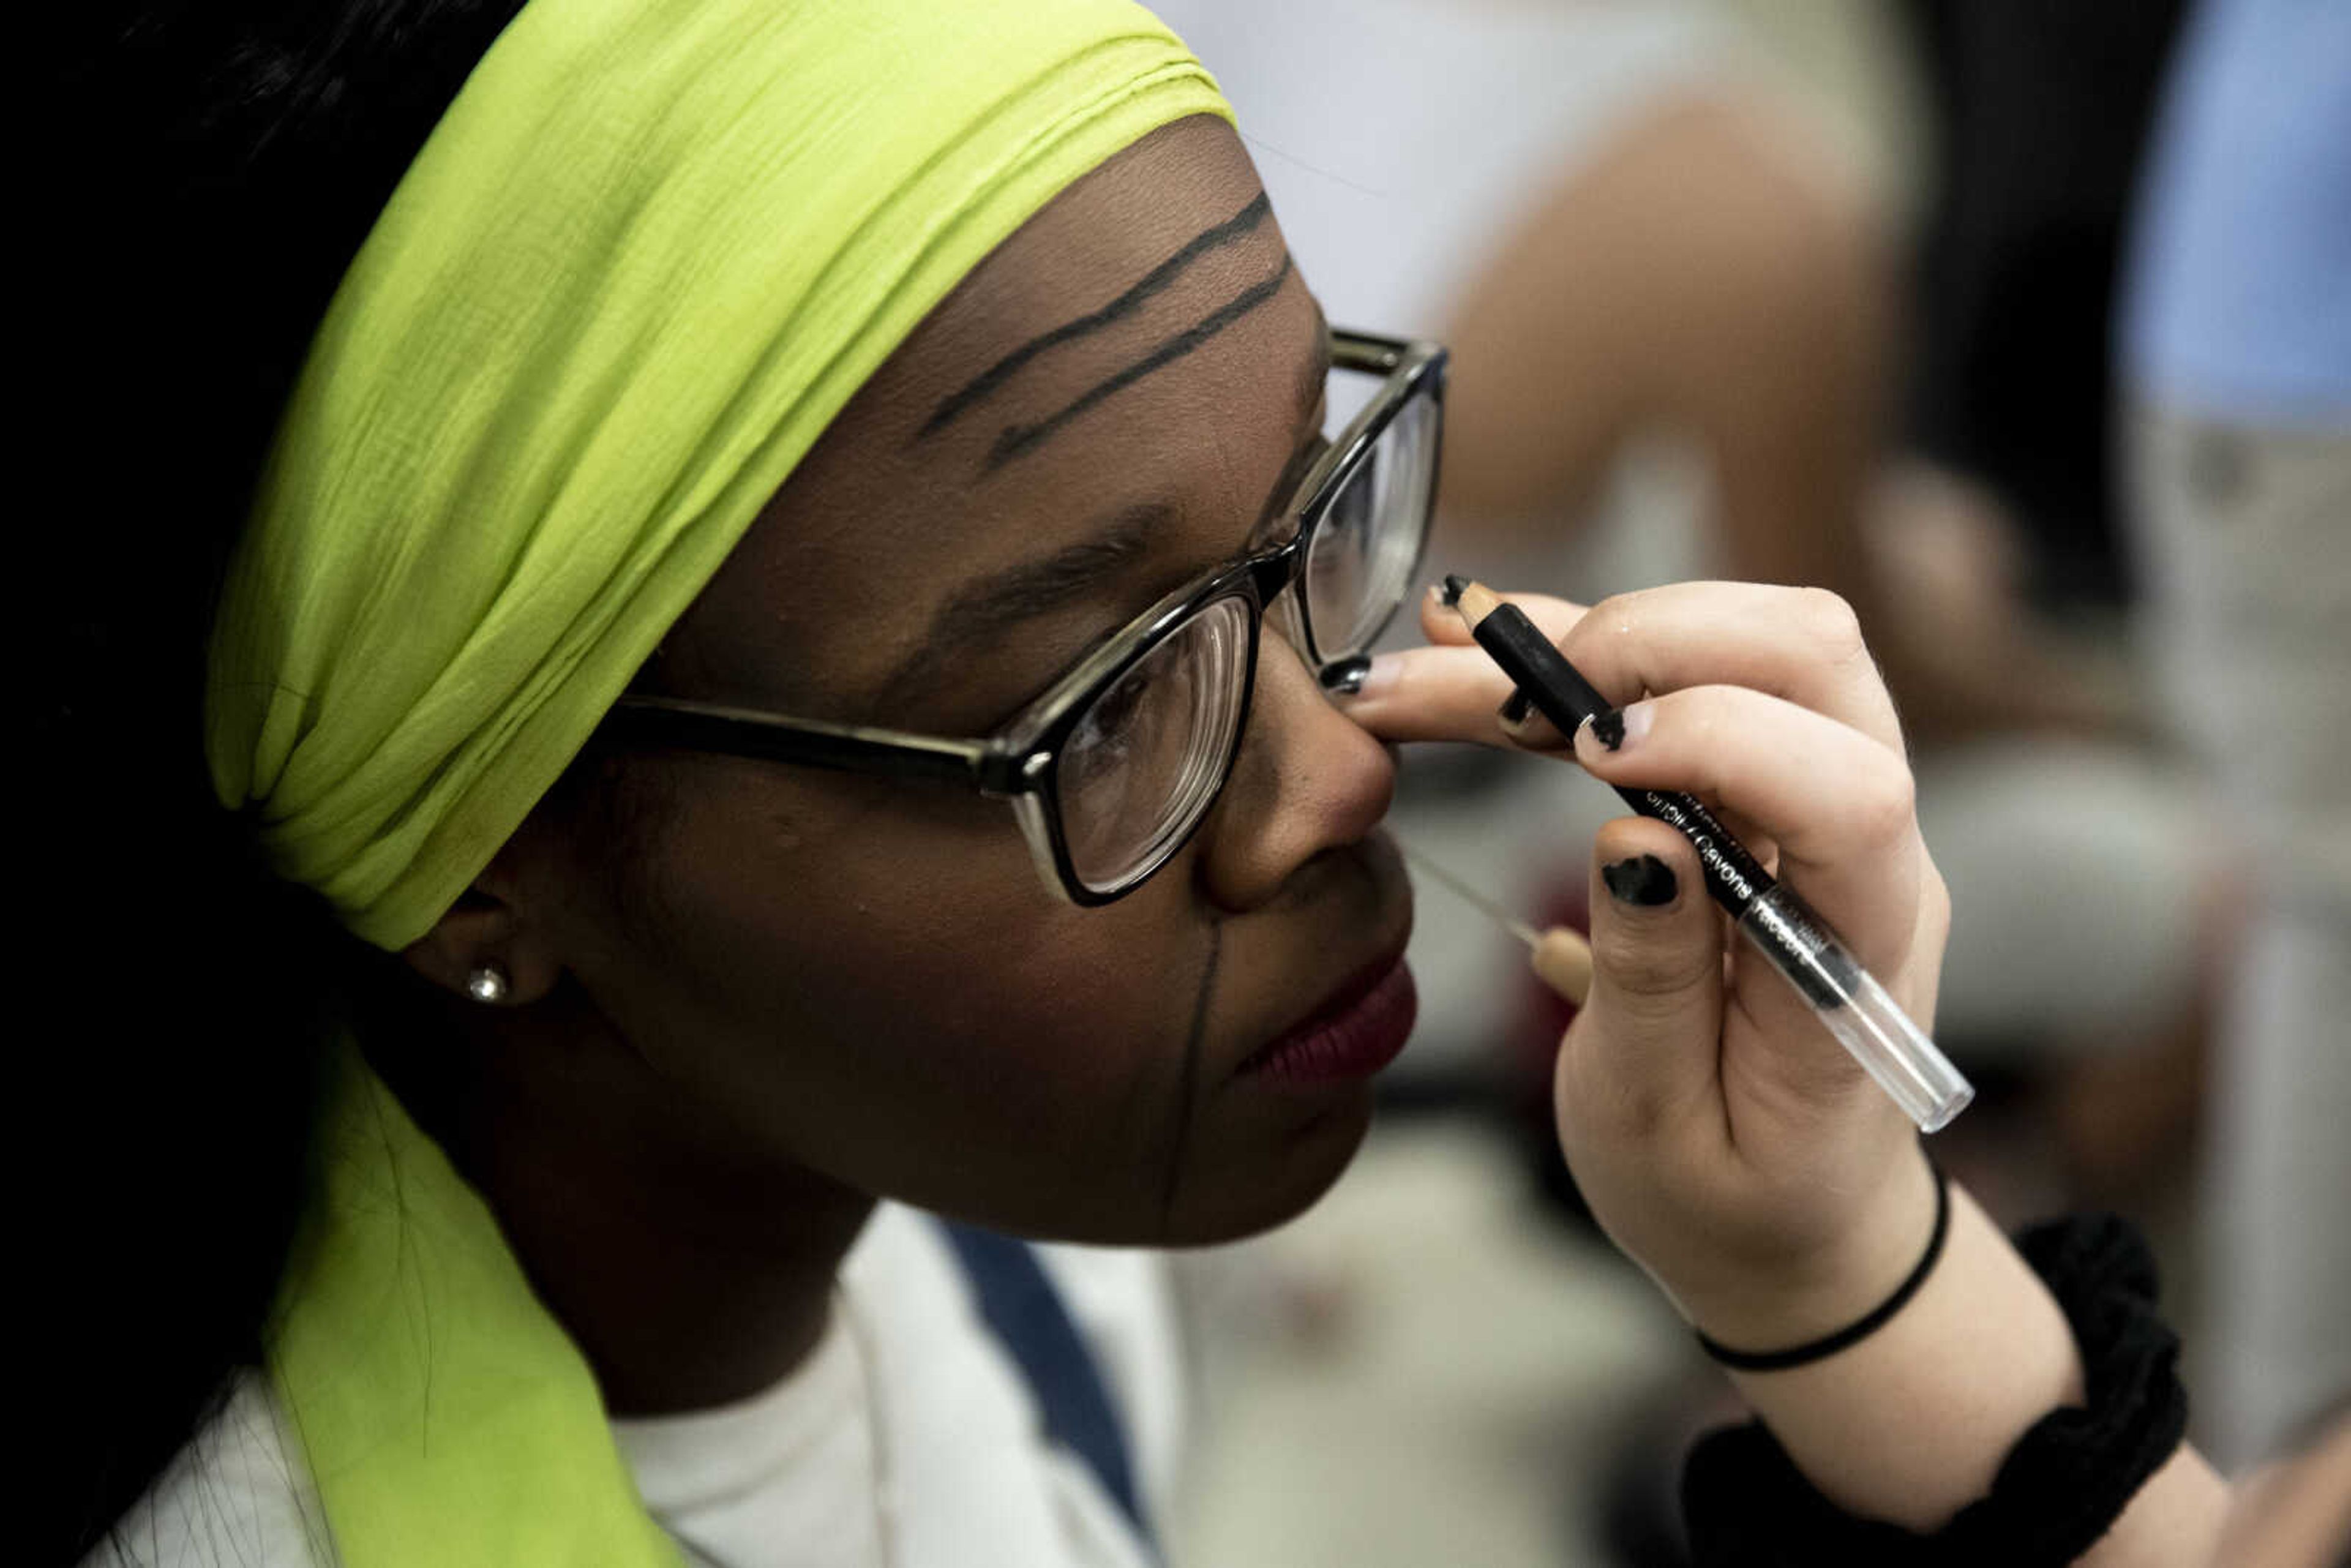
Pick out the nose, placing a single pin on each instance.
(1308, 778)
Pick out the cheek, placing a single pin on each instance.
(891, 993)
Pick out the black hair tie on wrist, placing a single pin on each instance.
(1861, 1328)
(2061, 1486)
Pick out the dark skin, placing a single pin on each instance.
(805, 991)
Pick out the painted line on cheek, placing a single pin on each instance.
(1191, 1094)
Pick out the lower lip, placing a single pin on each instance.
(1344, 1046)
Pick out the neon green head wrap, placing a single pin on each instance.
(648, 254)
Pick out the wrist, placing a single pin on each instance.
(1786, 1358)
(1802, 1296)
(1913, 1422)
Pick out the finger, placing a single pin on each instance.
(1442, 625)
(1645, 1048)
(1435, 693)
(1527, 727)
(1838, 803)
(1760, 843)
(1563, 960)
(1454, 691)
(1800, 643)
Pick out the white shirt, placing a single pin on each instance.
(907, 1439)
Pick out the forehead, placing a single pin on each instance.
(1142, 345)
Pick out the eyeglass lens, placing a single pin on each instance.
(1146, 759)
(1359, 563)
(1144, 762)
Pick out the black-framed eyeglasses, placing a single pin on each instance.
(1111, 769)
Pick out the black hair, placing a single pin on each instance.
(202, 174)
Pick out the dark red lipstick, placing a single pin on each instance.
(1358, 1032)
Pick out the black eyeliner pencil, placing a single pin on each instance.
(1797, 942)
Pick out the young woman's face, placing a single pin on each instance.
(867, 978)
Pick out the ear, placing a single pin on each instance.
(484, 928)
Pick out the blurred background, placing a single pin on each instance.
(1884, 295)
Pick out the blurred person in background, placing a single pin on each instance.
(2037, 121)
(1624, 224)
(2039, 115)
(2236, 355)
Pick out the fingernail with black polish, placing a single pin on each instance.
(1643, 880)
(1608, 729)
(1515, 709)
(1345, 678)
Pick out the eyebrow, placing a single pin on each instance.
(1157, 281)
(994, 605)
(1019, 439)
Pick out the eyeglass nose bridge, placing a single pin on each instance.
(1280, 578)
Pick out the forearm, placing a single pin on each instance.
(2176, 1518)
(1913, 1422)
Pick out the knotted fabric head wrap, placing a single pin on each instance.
(647, 255)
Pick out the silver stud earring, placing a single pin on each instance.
(487, 984)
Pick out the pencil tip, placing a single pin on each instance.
(1470, 598)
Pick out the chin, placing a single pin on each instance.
(1231, 1202)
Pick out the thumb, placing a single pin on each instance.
(1647, 1044)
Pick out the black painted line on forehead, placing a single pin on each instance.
(1017, 439)
(1157, 281)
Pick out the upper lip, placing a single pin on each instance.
(1359, 980)
(1341, 997)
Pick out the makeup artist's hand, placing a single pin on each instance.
(1722, 1137)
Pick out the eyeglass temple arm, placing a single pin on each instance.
(1352, 351)
(852, 748)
